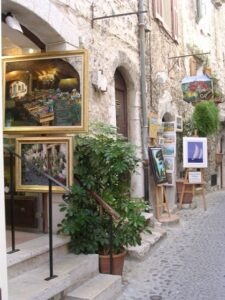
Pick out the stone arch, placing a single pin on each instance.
(130, 73)
(168, 117)
(42, 24)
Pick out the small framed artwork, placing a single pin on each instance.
(179, 124)
(169, 137)
(157, 164)
(45, 93)
(170, 178)
(195, 154)
(169, 162)
(194, 177)
(50, 155)
(169, 149)
(169, 126)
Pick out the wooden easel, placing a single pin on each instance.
(194, 190)
(161, 201)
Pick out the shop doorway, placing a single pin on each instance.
(121, 103)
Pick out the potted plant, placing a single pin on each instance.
(104, 162)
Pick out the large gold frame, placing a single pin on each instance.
(46, 93)
(42, 157)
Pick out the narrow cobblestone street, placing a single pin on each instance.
(189, 264)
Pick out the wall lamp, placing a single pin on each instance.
(12, 22)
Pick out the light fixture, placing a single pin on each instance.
(12, 22)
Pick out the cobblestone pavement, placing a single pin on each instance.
(189, 264)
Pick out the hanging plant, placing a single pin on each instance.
(206, 118)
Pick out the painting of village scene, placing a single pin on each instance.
(45, 92)
(50, 156)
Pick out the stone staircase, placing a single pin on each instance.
(77, 275)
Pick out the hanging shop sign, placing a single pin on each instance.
(196, 88)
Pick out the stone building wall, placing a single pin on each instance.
(207, 35)
(164, 75)
(112, 44)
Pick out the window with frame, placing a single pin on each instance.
(166, 12)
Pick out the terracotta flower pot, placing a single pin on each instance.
(117, 263)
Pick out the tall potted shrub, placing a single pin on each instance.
(206, 118)
(104, 163)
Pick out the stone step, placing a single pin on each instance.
(35, 252)
(101, 287)
(149, 217)
(148, 242)
(71, 270)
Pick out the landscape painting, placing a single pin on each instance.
(43, 155)
(169, 162)
(45, 92)
(169, 137)
(169, 126)
(169, 149)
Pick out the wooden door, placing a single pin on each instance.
(121, 104)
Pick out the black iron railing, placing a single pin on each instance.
(33, 168)
(112, 213)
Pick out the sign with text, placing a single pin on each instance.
(195, 177)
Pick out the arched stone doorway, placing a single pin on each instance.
(121, 103)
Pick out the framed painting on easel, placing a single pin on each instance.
(195, 153)
(157, 163)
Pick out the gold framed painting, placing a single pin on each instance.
(50, 155)
(45, 93)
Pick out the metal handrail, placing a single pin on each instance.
(12, 210)
(111, 212)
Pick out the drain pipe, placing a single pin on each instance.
(141, 36)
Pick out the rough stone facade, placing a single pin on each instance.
(113, 44)
(164, 74)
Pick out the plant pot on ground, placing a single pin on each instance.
(104, 163)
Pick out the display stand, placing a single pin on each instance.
(200, 189)
(161, 201)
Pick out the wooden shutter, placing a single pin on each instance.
(158, 9)
(174, 19)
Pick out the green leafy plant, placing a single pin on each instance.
(104, 162)
(206, 118)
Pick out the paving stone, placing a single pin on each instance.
(189, 264)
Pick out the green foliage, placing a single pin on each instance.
(104, 162)
(206, 118)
